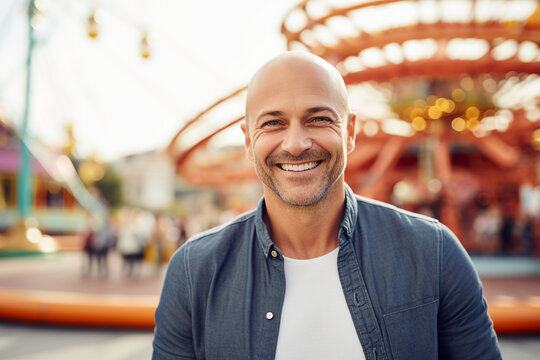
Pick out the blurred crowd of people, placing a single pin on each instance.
(508, 224)
(136, 235)
(505, 224)
(496, 233)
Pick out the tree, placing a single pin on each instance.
(110, 187)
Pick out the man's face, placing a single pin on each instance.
(298, 133)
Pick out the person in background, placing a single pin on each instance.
(487, 226)
(182, 233)
(88, 245)
(159, 239)
(131, 242)
(98, 239)
(104, 239)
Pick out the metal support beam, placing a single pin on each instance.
(24, 181)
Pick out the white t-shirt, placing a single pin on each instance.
(315, 320)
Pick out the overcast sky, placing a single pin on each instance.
(118, 102)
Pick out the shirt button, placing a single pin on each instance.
(274, 253)
(269, 315)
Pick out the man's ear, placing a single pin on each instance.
(351, 132)
(247, 141)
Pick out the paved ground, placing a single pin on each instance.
(63, 272)
(23, 342)
(502, 277)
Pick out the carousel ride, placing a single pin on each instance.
(447, 95)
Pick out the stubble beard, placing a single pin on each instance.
(313, 198)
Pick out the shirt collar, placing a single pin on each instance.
(262, 230)
(351, 212)
(347, 225)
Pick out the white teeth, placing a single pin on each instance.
(299, 167)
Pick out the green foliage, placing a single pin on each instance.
(110, 187)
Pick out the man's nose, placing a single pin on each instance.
(297, 139)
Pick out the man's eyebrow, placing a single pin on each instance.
(318, 109)
(312, 110)
(274, 113)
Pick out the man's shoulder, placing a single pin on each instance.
(222, 235)
(376, 208)
(402, 234)
(388, 221)
(203, 254)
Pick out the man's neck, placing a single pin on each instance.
(306, 232)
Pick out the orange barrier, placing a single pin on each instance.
(66, 308)
(137, 311)
(512, 316)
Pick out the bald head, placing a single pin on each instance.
(298, 129)
(298, 74)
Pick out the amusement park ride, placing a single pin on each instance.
(448, 102)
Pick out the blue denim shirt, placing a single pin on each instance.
(410, 287)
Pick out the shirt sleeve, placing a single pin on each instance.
(173, 336)
(465, 330)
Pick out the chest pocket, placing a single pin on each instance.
(413, 332)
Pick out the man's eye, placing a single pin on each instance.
(321, 119)
(270, 123)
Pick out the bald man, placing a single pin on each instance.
(316, 272)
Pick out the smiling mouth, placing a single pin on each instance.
(299, 167)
